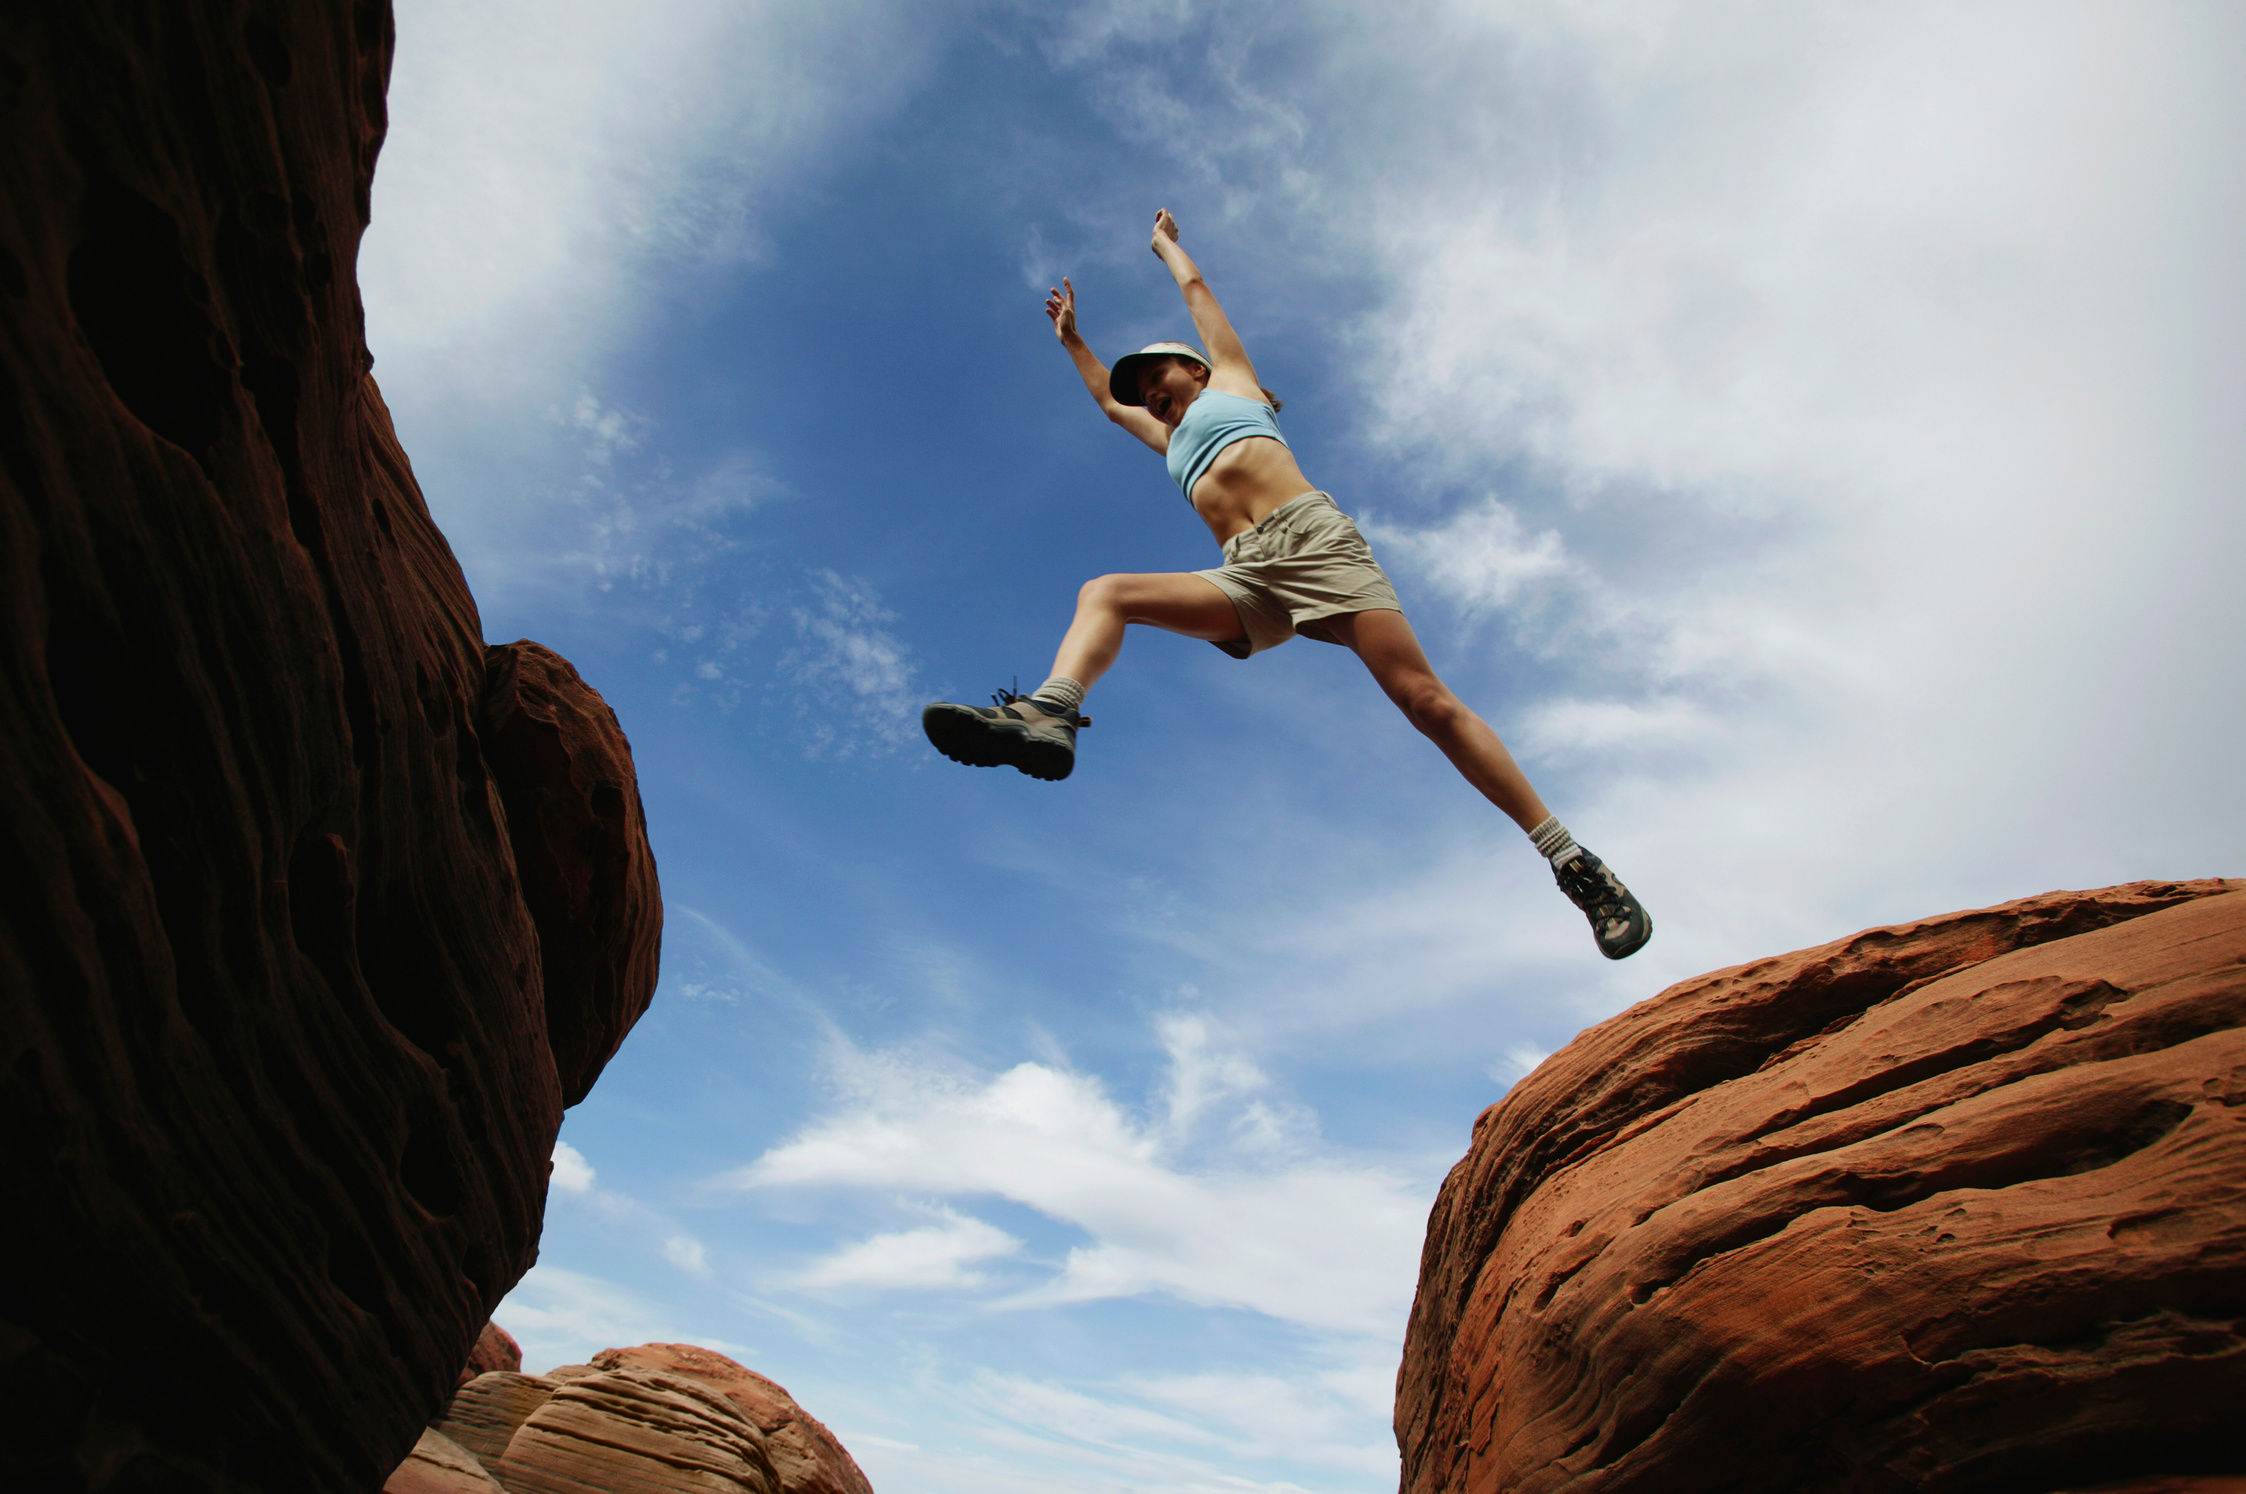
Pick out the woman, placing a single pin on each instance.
(1293, 563)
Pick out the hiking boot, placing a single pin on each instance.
(1013, 731)
(1618, 922)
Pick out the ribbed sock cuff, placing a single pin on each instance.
(1553, 842)
(1061, 692)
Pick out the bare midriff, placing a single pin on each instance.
(1249, 479)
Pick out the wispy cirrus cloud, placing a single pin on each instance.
(857, 694)
(939, 1255)
(1298, 1236)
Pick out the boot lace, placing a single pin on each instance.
(1002, 698)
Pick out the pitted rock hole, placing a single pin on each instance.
(141, 307)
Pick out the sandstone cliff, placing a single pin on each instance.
(316, 912)
(1955, 1206)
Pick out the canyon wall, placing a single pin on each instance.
(1953, 1207)
(317, 912)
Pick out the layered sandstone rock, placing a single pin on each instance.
(808, 1458)
(658, 1419)
(314, 916)
(637, 1432)
(486, 1412)
(439, 1465)
(1955, 1206)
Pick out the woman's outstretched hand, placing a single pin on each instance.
(1060, 305)
(1165, 227)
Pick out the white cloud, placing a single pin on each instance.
(572, 1173)
(703, 960)
(1202, 1074)
(1293, 1416)
(934, 1256)
(540, 156)
(1520, 1061)
(1862, 403)
(1565, 726)
(1307, 1239)
(566, 1317)
(688, 1254)
(551, 172)
(858, 690)
(1483, 556)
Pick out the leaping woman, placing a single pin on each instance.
(1293, 563)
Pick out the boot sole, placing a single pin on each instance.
(1635, 945)
(965, 736)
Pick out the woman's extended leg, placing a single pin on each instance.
(1175, 601)
(1385, 641)
(1037, 732)
(1390, 649)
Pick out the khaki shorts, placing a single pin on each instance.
(1304, 562)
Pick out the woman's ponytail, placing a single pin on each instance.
(1277, 404)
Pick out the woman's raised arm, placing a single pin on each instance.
(1232, 373)
(1060, 305)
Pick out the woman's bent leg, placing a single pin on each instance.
(1177, 602)
(1390, 649)
(1037, 733)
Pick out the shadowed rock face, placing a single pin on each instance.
(282, 847)
(1955, 1206)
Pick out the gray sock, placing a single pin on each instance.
(1552, 840)
(1060, 692)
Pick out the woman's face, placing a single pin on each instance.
(1169, 385)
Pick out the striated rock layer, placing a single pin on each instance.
(1954, 1206)
(658, 1419)
(314, 914)
(807, 1458)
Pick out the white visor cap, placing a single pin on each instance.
(1123, 379)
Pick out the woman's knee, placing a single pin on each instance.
(1431, 707)
(1102, 594)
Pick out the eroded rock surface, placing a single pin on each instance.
(637, 1432)
(439, 1465)
(808, 1458)
(486, 1412)
(580, 841)
(658, 1419)
(274, 1014)
(1955, 1206)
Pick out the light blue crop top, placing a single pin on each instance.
(1212, 422)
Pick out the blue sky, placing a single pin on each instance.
(1809, 434)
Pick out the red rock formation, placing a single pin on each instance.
(1955, 1206)
(658, 1419)
(274, 1021)
(439, 1465)
(637, 1432)
(808, 1458)
(495, 1349)
(486, 1413)
(573, 815)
